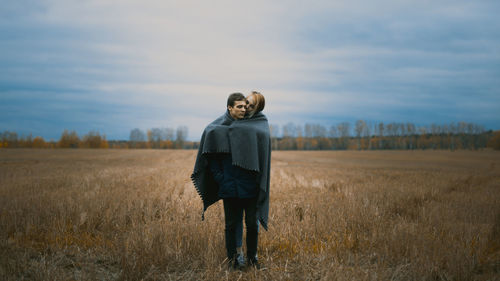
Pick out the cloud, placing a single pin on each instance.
(117, 65)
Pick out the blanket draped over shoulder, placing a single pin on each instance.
(249, 142)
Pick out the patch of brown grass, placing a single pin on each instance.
(134, 214)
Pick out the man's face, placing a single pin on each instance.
(238, 110)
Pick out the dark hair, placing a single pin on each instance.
(234, 97)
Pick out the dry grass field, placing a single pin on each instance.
(134, 215)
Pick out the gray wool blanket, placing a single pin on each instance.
(249, 142)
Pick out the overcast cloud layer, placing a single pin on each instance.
(113, 66)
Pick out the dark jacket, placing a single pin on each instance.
(233, 181)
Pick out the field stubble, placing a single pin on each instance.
(134, 214)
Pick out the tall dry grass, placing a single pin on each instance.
(134, 214)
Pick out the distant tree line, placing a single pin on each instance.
(361, 135)
(161, 138)
(68, 139)
(164, 138)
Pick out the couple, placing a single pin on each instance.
(233, 164)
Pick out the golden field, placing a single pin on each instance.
(135, 215)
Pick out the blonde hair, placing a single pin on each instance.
(259, 101)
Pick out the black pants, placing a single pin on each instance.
(233, 214)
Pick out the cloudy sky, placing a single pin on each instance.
(112, 66)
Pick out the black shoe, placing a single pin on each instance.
(239, 262)
(254, 262)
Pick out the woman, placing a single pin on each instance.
(255, 104)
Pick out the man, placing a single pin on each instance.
(233, 164)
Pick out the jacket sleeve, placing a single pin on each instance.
(215, 164)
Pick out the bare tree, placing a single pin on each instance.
(167, 134)
(181, 136)
(343, 129)
(274, 130)
(332, 133)
(289, 130)
(308, 130)
(137, 138)
(319, 131)
(289, 137)
(300, 137)
(381, 135)
(155, 136)
(410, 129)
(360, 129)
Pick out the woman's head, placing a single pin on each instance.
(255, 103)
